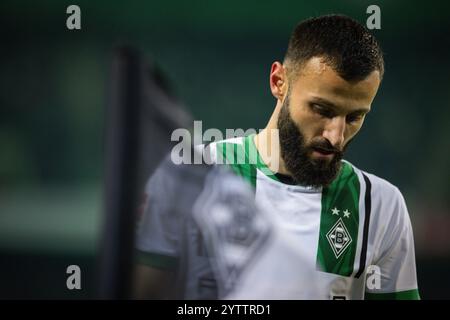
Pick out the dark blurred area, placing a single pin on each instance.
(53, 89)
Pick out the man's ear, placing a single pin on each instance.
(278, 80)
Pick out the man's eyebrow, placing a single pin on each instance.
(331, 105)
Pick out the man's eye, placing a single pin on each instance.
(325, 112)
(354, 118)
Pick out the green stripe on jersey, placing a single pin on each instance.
(339, 221)
(235, 156)
(401, 295)
(243, 158)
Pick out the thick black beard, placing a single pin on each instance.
(296, 155)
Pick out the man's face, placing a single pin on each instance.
(320, 115)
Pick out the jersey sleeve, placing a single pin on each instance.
(157, 233)
(396, 265)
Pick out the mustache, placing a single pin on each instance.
(325, 146)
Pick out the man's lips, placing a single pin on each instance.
(324, 151)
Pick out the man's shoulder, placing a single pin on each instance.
(226, 147)
(389, 211)
(378, 185)
(177, 176)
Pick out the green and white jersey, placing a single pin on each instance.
(356, 233)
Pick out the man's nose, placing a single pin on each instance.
(334, 131)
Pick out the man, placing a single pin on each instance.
(350, 226)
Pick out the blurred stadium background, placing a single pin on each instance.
(217, 54)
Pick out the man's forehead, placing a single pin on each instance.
(317, 78)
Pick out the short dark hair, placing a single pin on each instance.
(344, 43)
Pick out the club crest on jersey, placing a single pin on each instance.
(339, 238)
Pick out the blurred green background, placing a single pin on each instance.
(217, 54)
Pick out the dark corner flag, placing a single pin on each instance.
(141, 114)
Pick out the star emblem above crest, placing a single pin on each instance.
(346, 213)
